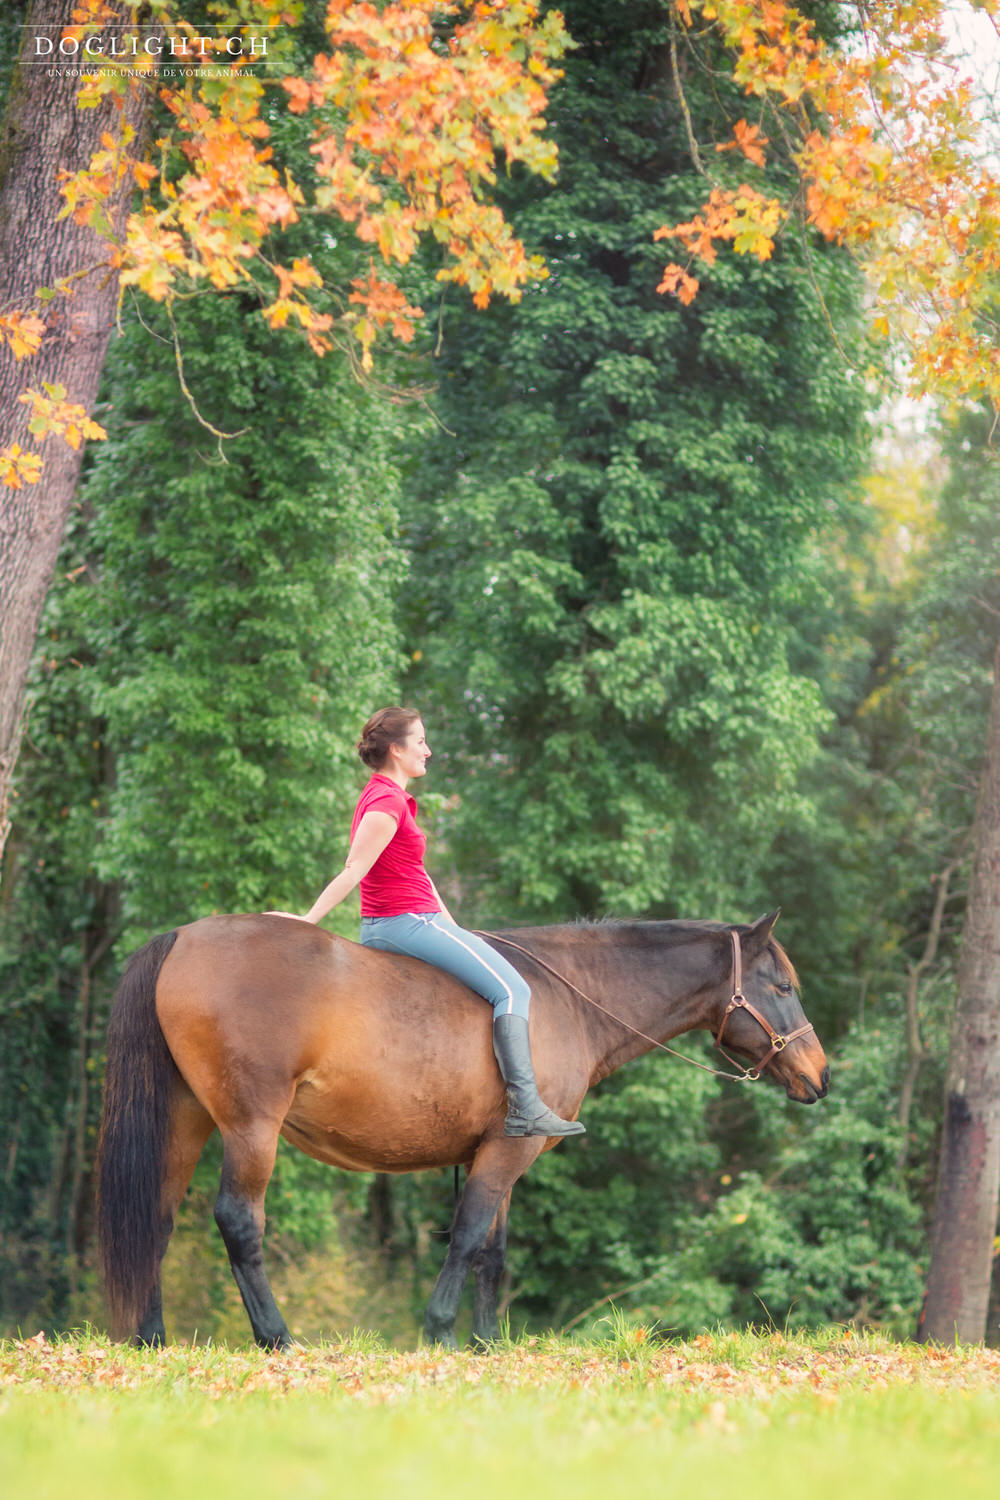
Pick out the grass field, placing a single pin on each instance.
(759, 1417)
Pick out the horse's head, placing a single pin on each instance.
(763, 1020)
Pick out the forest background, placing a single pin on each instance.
(697, 628)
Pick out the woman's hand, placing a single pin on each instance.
(294, 914)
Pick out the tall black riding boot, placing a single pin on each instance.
(526, 1114)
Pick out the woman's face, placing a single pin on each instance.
(413, 753)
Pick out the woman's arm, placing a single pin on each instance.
(374, 832)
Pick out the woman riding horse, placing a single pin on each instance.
(402, 912)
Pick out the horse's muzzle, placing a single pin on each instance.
(808, 1091)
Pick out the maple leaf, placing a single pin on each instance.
(18, 467)
(304, 273)
(748, 139)
(92, 13)
(894, 160)
(677, 281)
(23, 332)
(300, 94)
(53, 414)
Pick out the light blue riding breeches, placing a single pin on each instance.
(429, 935)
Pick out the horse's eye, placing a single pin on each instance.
(784, 988)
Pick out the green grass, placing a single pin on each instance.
(758, 1416)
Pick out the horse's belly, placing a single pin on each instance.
(402, 1134)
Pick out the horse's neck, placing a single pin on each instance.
(632, 981)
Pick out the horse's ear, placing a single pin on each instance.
(756, 937)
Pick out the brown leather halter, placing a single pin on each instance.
(739, 1001)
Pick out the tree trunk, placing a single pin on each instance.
(965, 1214)
(916, 1053)
(44, 132)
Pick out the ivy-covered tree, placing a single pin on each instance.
(620, 619)
(614, 554)
(247, 605)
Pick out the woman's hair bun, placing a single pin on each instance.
(389, 726)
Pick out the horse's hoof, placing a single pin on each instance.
(281, 1343)
(445, 1339)
(155, 1338)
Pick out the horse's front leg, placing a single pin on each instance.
(497, 1166)
(487, 1266)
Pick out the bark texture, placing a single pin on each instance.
(965, 1214)
(45, 132)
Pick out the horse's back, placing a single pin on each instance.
(268, 1017)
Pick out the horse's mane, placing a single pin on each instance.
(677, 931)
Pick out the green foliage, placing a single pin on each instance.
(245, 620)
(612, 558)
(58, 923)
(948, 650)
(908, 672)
(641, 659)
(828, 1228)
(720, 1206)
(11, 21)
(646, 1158)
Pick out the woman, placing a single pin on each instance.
(401, 911)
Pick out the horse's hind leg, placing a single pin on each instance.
(247, 1164)
(190, 1128)
(487, 1269)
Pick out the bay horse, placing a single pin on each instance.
(262, 1025)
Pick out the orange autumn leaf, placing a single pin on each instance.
(797, 1370)
(678, 281)
(892, 148)
(748, 139)
(23, 332)
(412, 107)
(18, 467)
(52, 414)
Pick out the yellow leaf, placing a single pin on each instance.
(18, 468)
(23, 332)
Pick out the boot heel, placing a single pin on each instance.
(527, 1113)
(552, 1126)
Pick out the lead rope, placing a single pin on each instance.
(745, 1075)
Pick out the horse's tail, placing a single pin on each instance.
(138, 1083)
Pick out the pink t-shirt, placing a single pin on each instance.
(397, 882)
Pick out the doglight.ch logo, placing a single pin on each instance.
(148, 48)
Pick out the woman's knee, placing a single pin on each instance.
(516, 1001)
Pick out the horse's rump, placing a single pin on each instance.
(365, 1059)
